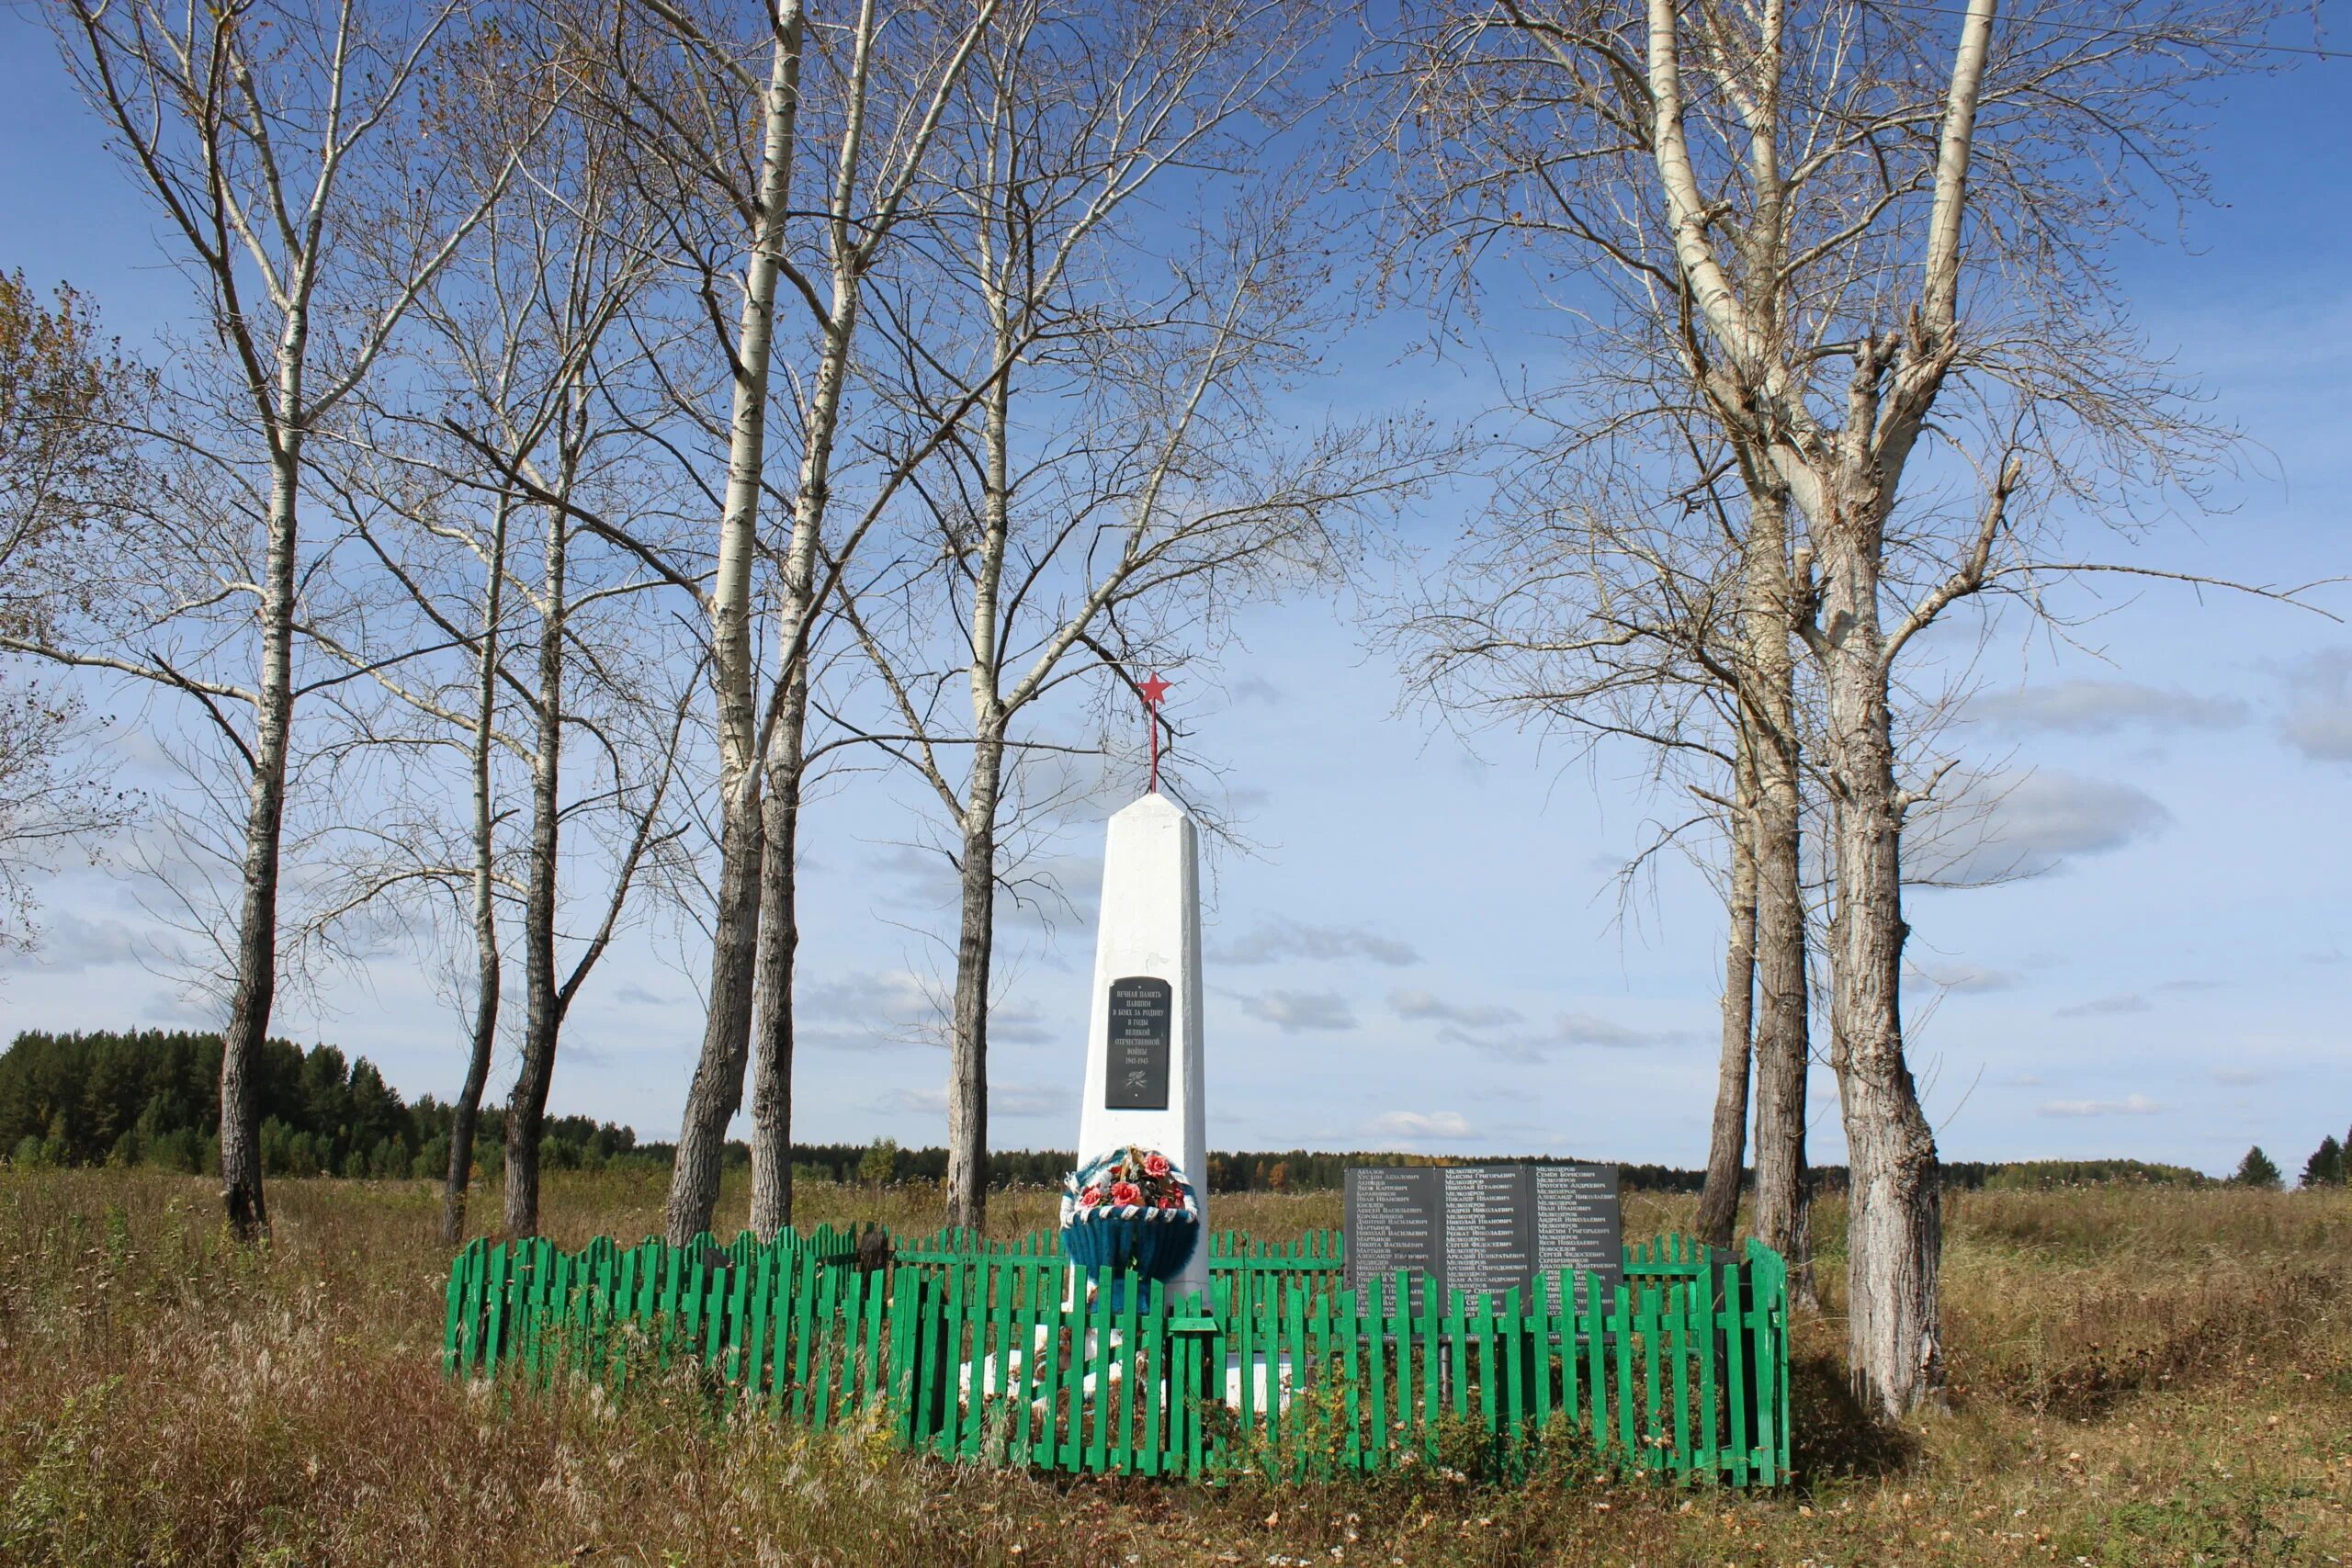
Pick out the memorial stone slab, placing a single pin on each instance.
(1395, 1220)
(1487, 1229)
(1579, 1224)
(1141, 1014)
(1484, 1228)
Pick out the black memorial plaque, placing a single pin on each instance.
(1578, 1225)
(1142, 1020)
(1484, 1228)
(1488, 1243)
(1396, 1223)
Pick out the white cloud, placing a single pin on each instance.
(70, 944)
(894, 996)
(1414, 1126)
(2007, 824)
(1018, 1023)
(869, 1007)
(1293, 1011)
(2237, 1077)
(1013, 1102)
(1583, 1028)
(2101, 1007)
(1567, 1030)
(193, 1011)
(1419, 1004)
(1276, 939)
(2100, 708)
(1966, 978)
(2131, 1105)
(2051, 813)
(2319, 713)
(1256, 689)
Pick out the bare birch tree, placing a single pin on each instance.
(1861, 241)
(526, 424)
(265, 133)
(864, 106)
(1115, 482)
(1611, 595)
(900, 113)
(1718, 1215)
(685, 138)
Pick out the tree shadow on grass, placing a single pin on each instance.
(1835, 1436)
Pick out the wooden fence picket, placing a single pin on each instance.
(972, 1348)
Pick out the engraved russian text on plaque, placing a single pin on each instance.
(1578, 1225)
(1142, 1020)
(1487, 1241)
(1483, 1229)
(1395, 1224)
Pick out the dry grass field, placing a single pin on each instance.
(2142, 1376)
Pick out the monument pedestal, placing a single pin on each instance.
(1143, 1038)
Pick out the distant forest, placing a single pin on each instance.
(152, 1098)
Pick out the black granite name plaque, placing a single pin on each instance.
(1579, 1224)
(1395, 1220)
(1487, 1240)
(1482, 1228)
(1142, 1023)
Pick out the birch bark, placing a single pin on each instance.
(1783, 1049)
(967, 1068)
(256, 950)
(252, 152)
(852, 241)
(1718, 1214)
(489, 965)
(527, 1103)
(717, 1089)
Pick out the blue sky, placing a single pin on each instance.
(1425, 949)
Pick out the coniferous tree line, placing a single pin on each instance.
(150, 1097)
(2329, 1166)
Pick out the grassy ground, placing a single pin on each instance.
(2141, 1377)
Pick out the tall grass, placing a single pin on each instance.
(2142, 1377)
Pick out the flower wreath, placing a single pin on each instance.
(1129, 1183)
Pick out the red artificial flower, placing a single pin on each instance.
(1155, 1164)
(1125, 1193)
(1091, 1197)
(1172, 1200)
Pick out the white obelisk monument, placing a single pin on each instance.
(1143, 1034)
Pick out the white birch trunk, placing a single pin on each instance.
(1718, 1215)
(488, 969)
(255, 985)
(718, 1087)
(527, 1103)
(1784, 1047)
(1895, 1219)
(778, 950)
(967, 1067)
(777, 937)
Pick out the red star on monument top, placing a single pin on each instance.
(1152, 691)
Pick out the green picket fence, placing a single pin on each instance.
(978, 1349)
